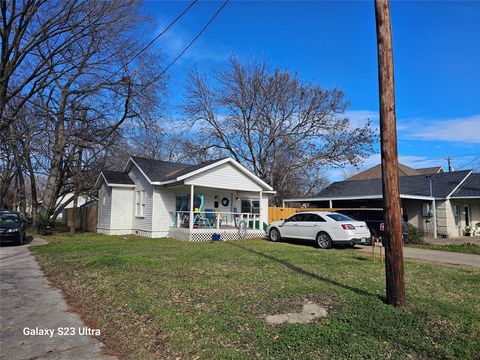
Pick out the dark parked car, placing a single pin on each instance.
(374, 219)
(13, 227)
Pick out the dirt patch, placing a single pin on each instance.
(310, 312)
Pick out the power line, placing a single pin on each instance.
(468, 163)
(443, 157)
(158, 77)
(156, 37)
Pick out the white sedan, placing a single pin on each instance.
(326, 228)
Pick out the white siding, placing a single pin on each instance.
(225, 176)
(104, 210)
(122, 209)
(164, 209)
(264, 208)
(141, 183)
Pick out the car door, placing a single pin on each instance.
(307, 226)
(316, 223)
(289, 227)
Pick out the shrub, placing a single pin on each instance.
(44, 225)
(414, 236)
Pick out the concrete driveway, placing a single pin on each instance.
(30, 305)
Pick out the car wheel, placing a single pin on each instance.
(275, 235)
(324, 241)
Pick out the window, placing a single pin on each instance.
(245, 205)
(456, 213)
(182, 202)
(313, 218)
(339, 217)
(9, 218)
(103, 200)
(140, 203)
(250, 205)
(143, 203)
(297, 217)
(255, 206)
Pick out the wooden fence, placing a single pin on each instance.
(86, 218)
(281, 213)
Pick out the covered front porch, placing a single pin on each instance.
(202, 212)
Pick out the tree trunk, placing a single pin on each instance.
(20, 191)
(395, 281)
(49, 197)
(76, 190)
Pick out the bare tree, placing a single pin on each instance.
(284, 130)
(84, 92)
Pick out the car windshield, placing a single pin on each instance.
(8, 218)
(340, 217)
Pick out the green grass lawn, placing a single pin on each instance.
(468, 248)
(162, 298)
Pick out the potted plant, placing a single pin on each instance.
(467, 230)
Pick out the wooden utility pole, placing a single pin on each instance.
(388, 137)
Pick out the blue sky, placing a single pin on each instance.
(436, 55)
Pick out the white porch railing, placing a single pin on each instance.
(217, 219)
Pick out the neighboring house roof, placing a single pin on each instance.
(403, 170)
(114, 178)
(117, 177)
(443, 184)
(430, 170)
(470, 188)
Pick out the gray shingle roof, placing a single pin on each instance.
(375, 172)
(430, 170)
(471, 187)
(442, 185)
(117, 177)
(158, 170)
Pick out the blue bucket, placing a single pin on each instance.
(215, 237)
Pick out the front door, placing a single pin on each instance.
(467, 215)
(225, 208)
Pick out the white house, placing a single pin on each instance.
(156, 198)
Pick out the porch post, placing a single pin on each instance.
(190, 220)
(330, 204)
(260, 218)
(434, 205)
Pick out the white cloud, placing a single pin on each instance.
(463, 129)
(177, 38)
(359, 118)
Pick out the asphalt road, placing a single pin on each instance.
(27, 301)
(445, 257)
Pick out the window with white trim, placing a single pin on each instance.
(250, 205)
(140, 203)
(456, 213)
(142, 212)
